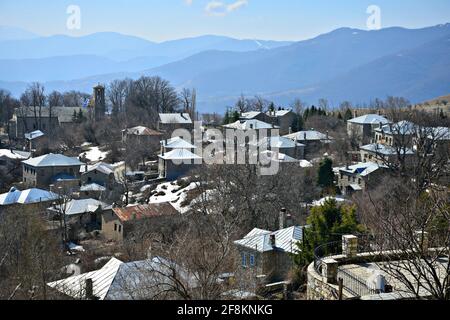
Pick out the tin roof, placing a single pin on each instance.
(29, 196)
(285, 239)
(145, 211)
(369, 119)
(179, 154)
(142, 131)
(53, 160)
(175, 118)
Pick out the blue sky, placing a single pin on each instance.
(160, 20)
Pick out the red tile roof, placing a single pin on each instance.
(145, 211)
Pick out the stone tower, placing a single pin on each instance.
(99, 102)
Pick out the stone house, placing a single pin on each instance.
(34, 199)
(48, 169)
(84, 215)
(34, 139)
(168, 122)
(179, 160)
(313, 140)
(400, 133)
(359, 177)
(363, 127)
(25, 120)
(142, 135)
(386, 154)
(267, 254)
(121, 223)
(284, 119)
(11, 160)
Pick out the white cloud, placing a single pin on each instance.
(219, 8)
(188, 2)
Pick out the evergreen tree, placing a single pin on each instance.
(326, 175)
(339, 116)
(226, 119)
(74, 116)
(348, 114)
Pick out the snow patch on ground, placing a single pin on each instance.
(173, 194)
(94, 154)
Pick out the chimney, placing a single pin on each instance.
(89, 289)
(272, 240)
(282, 218)
(328, 134)
(290, 130)
(355, 114)
(289, 220)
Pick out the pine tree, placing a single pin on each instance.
(348, 114)
(326, 176)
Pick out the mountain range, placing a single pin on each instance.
(345, 64)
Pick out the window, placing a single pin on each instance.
(244, 259)
(252, 260)
(115, 226)
(120, 228)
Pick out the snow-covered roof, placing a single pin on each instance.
(75, 207)
(14, 154)
(175, 118)
(309, 135)
(102, 279)
(250, 125)
(249, 115)
(102, 167)
(92, 187)
(142, 131)
(369, 119)
(179, 154)
(362, 168)
(278, 113)
(278, 156)
(285, 239)
(277, 142)
(439, 133)
(140, 280)
(53, 160)
(34, 135)
(386, 150)
(305, 164)
(400, 128)
(177, 143)
(28, 196)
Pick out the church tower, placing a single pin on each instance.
(99, 102)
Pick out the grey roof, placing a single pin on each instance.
(249, 125)
(34, 135)
(278, 113)
(102, 279)
(177, 143)
(386, 150)
(28, 196)
(175, 118)
(249, 115)
(92, 187)
(64, 114)
(147, 279)
(75, 207)
(276, 142)
(14, 154)
(285, 239)
(102, 167)
(179, 154)
(309, 135)
(399, 128)
(279, 157)
(362, 168)
(53, 160)
(369, 119)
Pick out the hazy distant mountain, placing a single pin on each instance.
(64, 58)
(345, 64)
(14, 33)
